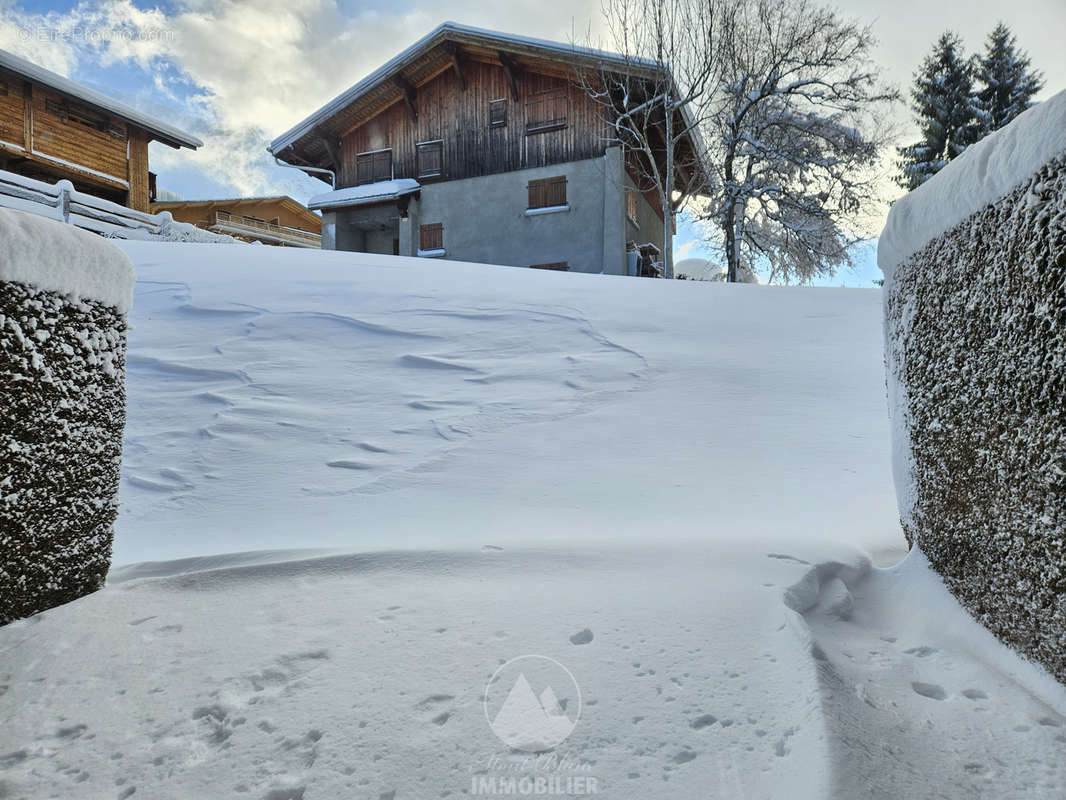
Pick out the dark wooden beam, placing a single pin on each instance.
(409, 94)
(512, 72)
(452, 49)
(332, 151)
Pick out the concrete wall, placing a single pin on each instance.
(485, 218)
(975, 338)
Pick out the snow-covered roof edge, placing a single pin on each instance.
(364, 194)
(63, 259)
(983, 174)
(166, 133)
(345, 99)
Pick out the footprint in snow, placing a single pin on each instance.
(581, 637)
(930, 690)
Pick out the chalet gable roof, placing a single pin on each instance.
(391, 73)
(161, 131)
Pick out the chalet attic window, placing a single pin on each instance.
(3, 88)
(431, 237)
(430, 158)
(497, 113)
(547, 107)
(373, 167)
(83, 116)
(547, 192)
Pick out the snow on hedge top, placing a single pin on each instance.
(984, 173)
(61, 258)
(364, 194)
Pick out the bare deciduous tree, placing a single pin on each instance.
(797, 137)
(656, 103)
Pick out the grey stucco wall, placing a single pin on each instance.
(484, 218)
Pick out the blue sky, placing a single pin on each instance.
(237, 73)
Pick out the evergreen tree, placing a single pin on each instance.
(1007, 82)
(944, 102)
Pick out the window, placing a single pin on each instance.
(547, 192)
(3, 88)
(497, 113)
(631, 206)
(430, 158)
(547, 107)
(560, 266)
(373, 167)
(431, 237)
(83, 116)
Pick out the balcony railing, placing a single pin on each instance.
(224, 222)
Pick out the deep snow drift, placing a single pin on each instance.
(670, 488)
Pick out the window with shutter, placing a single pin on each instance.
(497, 113)
(547, 192)
(430, 158)
(373, 167)
(431, 237)
(547, 110)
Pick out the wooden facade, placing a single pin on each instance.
(481, 128)
(50, 134)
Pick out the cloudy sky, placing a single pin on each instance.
(237, 74)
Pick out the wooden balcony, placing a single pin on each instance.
(248, 228)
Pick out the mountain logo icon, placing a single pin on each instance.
(528, 719)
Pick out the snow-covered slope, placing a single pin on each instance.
(670, 488)
(395, 402)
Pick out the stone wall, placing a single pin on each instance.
(976, 351)
(62, 369)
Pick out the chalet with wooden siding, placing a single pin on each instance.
(271, 220)
(52, 128)
(479, 146)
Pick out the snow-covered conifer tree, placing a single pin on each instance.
(945, 104)
(1006, 81)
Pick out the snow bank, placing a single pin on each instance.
(64, 295)
(57, 258)
(975, 314)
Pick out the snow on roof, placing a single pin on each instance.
(983, 174)
(364, 195)
(60, 258)
(165, 133)
(347, 98)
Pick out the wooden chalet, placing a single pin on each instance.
(270, 220)
(480, 146)
(52, 128)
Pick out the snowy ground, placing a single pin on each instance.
(673, 489)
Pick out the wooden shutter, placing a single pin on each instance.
(431, 237)
(430, 159)
(560, 266)
(373, 167)
(557, 191)
(547, 192)
(497, 113)
(631, 204)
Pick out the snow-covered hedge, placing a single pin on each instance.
(64, 296)
(975, 314)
